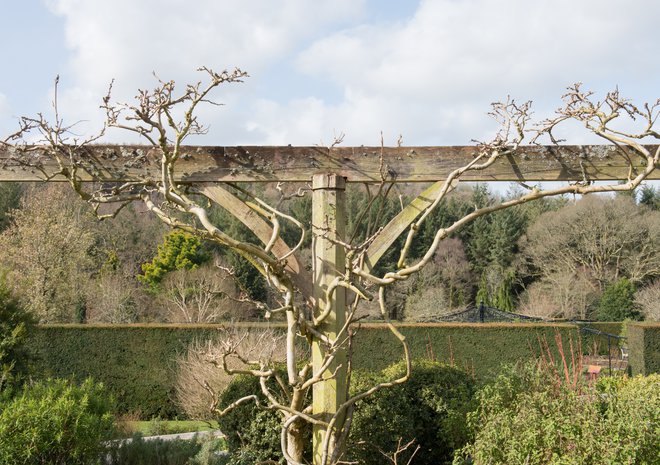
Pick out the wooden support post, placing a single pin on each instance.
(328, 224)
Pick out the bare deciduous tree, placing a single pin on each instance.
(203, 295)
(648, 300)
(49, 255)
(601, 238)
(441, 287)
(113, 298)
(198, 377)
(561, 295)
(346, 264)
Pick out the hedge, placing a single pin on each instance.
(136, 363)
(596, 344)
(644, 348)
(479, 348)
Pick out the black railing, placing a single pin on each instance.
(481, 314)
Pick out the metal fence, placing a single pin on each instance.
(481, 314)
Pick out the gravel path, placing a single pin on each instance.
(201, 434)
(184, 436)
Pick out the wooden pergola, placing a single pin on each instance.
(328, 170)
(356, 164)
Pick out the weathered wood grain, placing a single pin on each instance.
(357, 164)
(391, 232)
(328, 227)
(302, 279)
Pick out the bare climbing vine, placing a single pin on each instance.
(166, 116)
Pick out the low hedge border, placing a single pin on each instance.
(644, 348)
(136, 363)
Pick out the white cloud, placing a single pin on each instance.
(430, 77)
(434, 76)
(463, 50)
(127, 40)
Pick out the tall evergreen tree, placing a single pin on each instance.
(649, 196)
(618, 302)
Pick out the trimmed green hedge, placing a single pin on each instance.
(644, 348)
(596, 344)
(478, 348)
(136, 362)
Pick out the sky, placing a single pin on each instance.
(423, 70)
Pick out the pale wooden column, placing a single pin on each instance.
(328, 223)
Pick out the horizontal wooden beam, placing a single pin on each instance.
(357, 164)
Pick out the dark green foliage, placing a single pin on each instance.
(301, 209)
(481, 349)
(15, 324)
(366, 211)
(252, 432)
(136, 363)
(649, 196)
(10, 198)
(179, 251)
(644, 348)
(527, 415)
(618, 302)
(246, 275)
(506, 227)
(491, 241)
(503, 298)
(504, 230)
(492, 249)
(137, 451)
(431, 408)
(56, 423)
(449, 211)
(238, 422)
(483, 295)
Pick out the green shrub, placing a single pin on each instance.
(211, 452)
(137, 451)
(430, 408)
(528, 416)
(179, 251)
(618, 302)
(15, 322)
(630, 414)
(55, 423)
(253, 434)
(248, 456)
